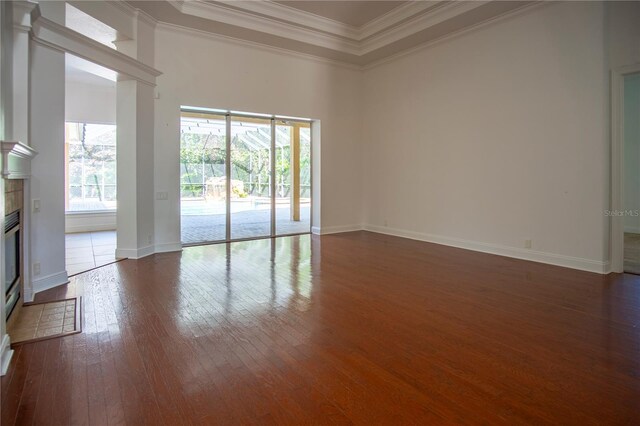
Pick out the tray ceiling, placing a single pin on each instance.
(355, 32)
(354, 13)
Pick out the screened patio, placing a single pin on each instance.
(203, 177)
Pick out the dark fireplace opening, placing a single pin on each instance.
(12, 261)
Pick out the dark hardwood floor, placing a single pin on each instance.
(350, 328)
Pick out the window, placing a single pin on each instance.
(90, 166)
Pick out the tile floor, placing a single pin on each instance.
(88, 250)
(44, 320)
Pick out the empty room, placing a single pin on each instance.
(320, 212)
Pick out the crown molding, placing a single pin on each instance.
(240, 18)
(165, 26)
(432, 17)
(146, 18)
(394, 16)
(126, 8)
(22, 15)
(453, 35)
(284, 21)
(267, 17)
(287, 13)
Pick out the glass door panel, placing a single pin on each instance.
(203, 177)
(250, 184)
(293, 177)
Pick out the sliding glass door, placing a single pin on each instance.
(243, 176)
(293, 174)
(203, 175)
(250, 178)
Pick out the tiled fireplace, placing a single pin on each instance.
(16, 168)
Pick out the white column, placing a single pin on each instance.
(21, 26)
(5, 104)
(135, 150)
(46, 126)
(134, 117)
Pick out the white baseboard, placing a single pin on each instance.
(88, 228)
(147, 251)
(134, 253)
(5, 354)
(518, 253)
(325, 230)
(315, 230)
(168, 247)
(28, 295)
(50, 281)
(90, 222)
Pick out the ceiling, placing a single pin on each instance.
(353, 32)
(354, 13)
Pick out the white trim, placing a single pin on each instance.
(432, 17)
(134, 253)
(56, 36)
(291, 14)
(221, 13)
(165, 26)
(28, 295)
(168, 247)
(527, 7)
(582, 264)
(6, 353)
(315, 230)
(22, 15)
(16, 159)
(146, 18)
(294, 24)
(89, 221)
(279, 19)
(394, 16)
(50, 281)
(89, 228)
(326, 230)
(616, 237)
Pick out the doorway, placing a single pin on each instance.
(243, 176)
(624, 214)
(89, 165)
(631, 167)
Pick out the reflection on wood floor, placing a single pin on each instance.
(347, 328)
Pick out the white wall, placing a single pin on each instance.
(90, 103)
(496, 136)
(208, 72)
(483, 140)
(632, 152)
